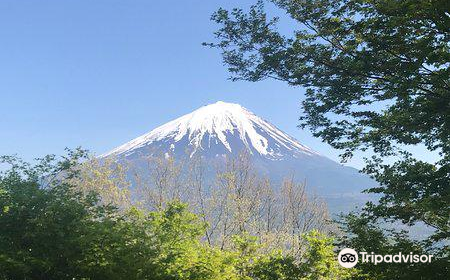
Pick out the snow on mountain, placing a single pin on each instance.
(223, 124)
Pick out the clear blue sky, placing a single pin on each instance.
(99, 73)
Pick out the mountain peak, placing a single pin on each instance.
(218, 110)
(224, 104)
(226, 127)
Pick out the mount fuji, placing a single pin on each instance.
(221, 130)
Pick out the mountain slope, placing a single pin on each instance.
(226, 125)
(222, 130)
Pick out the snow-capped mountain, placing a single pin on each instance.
(224, 127)
(221, 130)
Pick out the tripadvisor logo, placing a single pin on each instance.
(349, 258)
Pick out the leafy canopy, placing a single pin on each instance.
(51, 228)
(377, 79)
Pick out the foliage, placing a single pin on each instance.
(377, 79)
(351, 54)
(41, 226)
(106, 177)
(365, 236)
(321, 259)
(413, 191)
(58, 232)
(54, 229)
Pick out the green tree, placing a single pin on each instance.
(377, 80)
(51, 229)
(321, 261)
(44, 222)
(176, 234)
(276, 266)
(318, 261)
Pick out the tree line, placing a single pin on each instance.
(73, 218)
